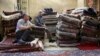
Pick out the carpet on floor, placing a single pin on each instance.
(88, 46)
(57, 53)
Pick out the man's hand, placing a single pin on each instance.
(28, 27)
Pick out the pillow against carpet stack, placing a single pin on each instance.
(89, 28)
(38, 32)
(67, 30)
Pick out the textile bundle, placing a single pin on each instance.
(67, 30)
(9, 20)
(89, 29)
(50, 21)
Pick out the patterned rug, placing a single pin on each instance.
(57, 53)
(88, 46)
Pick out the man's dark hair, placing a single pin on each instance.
(30, 18)
(22, 16)
(90, 12)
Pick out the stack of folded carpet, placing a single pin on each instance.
(9, 20)
(51, 21)
(68, 28)
(99, 24)
(89, 29)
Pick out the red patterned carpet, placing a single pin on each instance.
(6, 46)
(88, 46)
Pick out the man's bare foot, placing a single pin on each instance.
(40, 45)
(34, 42)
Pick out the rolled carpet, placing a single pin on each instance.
(70, 19)
(71, 35)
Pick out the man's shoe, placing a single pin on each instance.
(21, 42)
(51, 40)
(15, 41)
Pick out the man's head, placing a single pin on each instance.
(26, 17)
(90, 3)
(41, 12)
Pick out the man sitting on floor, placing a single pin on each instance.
(39, 21)
(24, 30)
